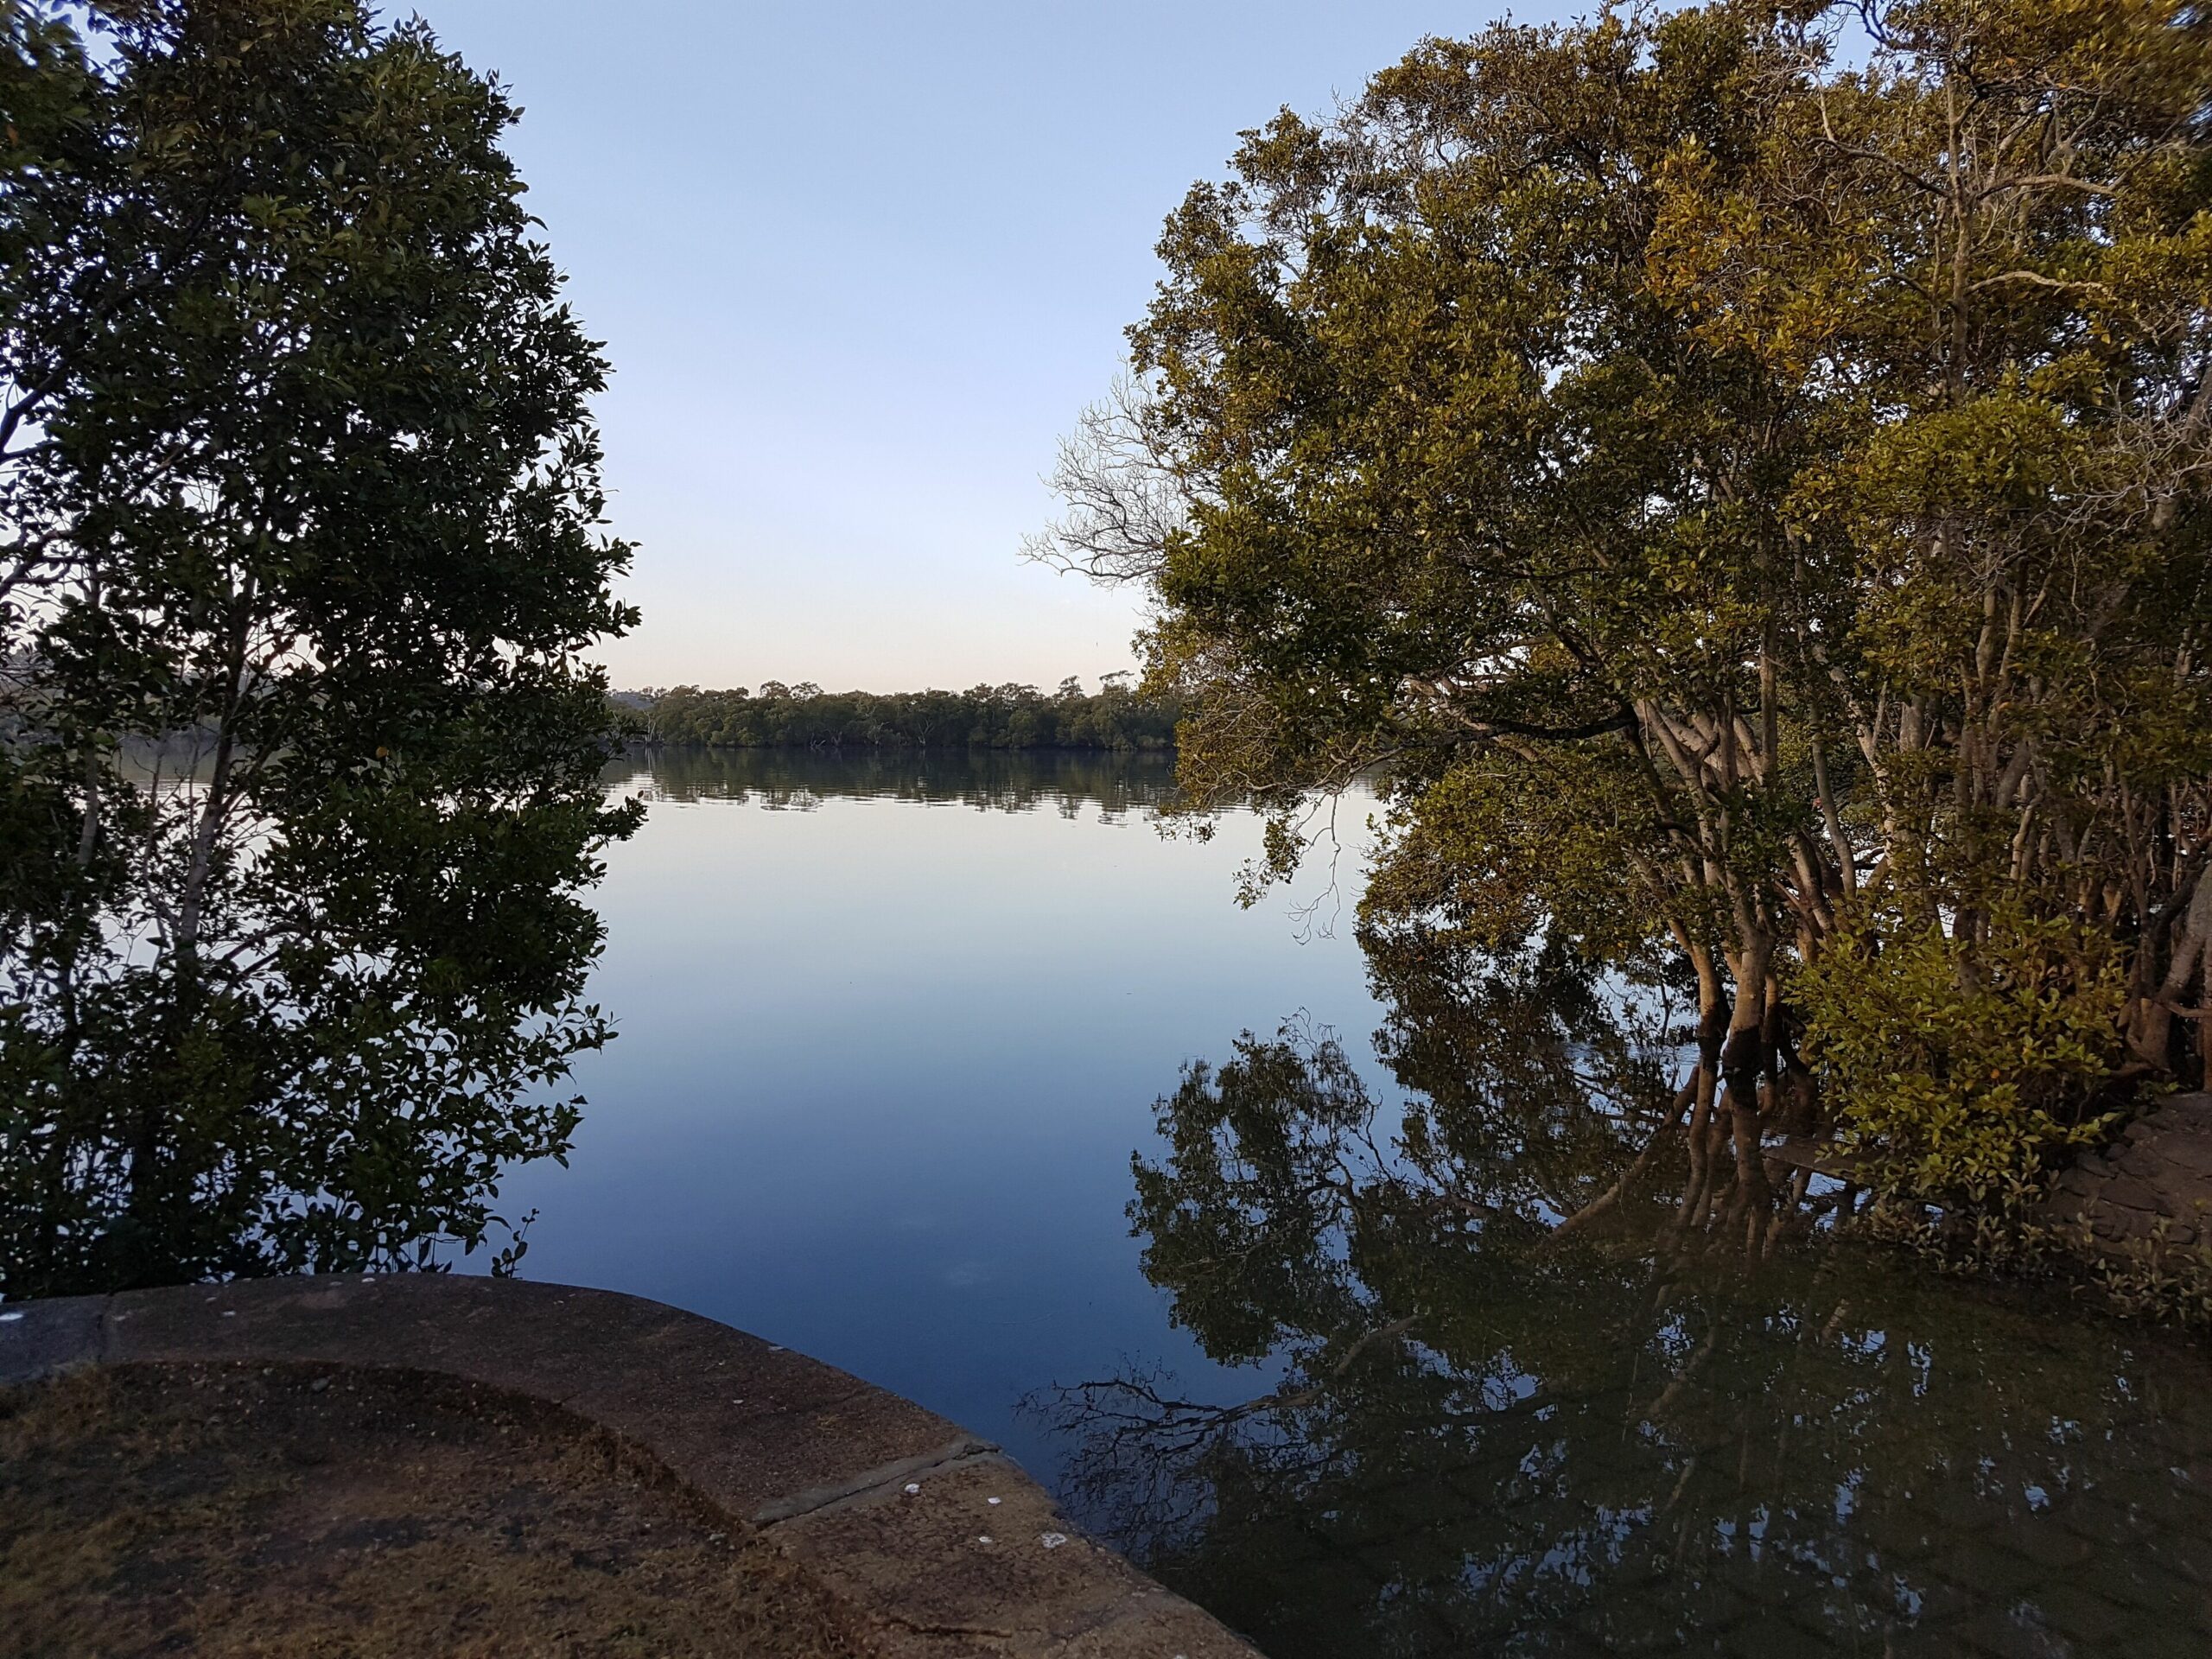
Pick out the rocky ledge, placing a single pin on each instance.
(936, 1539)
(2155, 1182)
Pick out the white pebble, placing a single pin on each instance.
(994, 1502)
(10, 1319)
(911, 1488)
(1052, 1539)
(985, 1539)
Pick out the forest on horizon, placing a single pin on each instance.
(1010, 716)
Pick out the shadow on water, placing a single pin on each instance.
(1067, 781)
(1488, 1437)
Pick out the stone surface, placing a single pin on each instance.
(44, 1338)
(1034, 1583)
(2196, 1109)
(2153, 1187)
(817, 1458)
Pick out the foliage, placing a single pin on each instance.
(299, 549)
(1960, 1066)
(1736, 468)
(988, 717)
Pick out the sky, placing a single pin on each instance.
(858, 267)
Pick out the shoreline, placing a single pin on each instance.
(932, 1537)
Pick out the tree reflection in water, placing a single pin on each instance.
(1071, 782)
(1489, 1435)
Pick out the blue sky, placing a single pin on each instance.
(858, 266)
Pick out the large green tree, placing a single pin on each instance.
(1742, 470)
(299, 549)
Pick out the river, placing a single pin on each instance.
(951, 1071)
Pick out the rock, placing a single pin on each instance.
(2130, 1192)
(2192, 1111)
(2145, 1160)
(2191, 1152)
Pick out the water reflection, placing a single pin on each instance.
(1488, 1437)
(881, 1061)
(1069, 782)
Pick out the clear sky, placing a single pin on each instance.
(858, 265)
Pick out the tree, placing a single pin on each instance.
(1754, 505)
(299, 549)
(985, 717)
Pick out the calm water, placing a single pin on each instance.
(906, 1081)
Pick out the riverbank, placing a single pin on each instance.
(242, 1511)
(906, 1534)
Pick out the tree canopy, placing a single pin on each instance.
(987, 717)
(1742, 471)
(299, 549)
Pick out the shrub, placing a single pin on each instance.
(1959, 1066)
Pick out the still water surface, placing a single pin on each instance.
(895, 1030)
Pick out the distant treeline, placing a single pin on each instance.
(989, 717)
